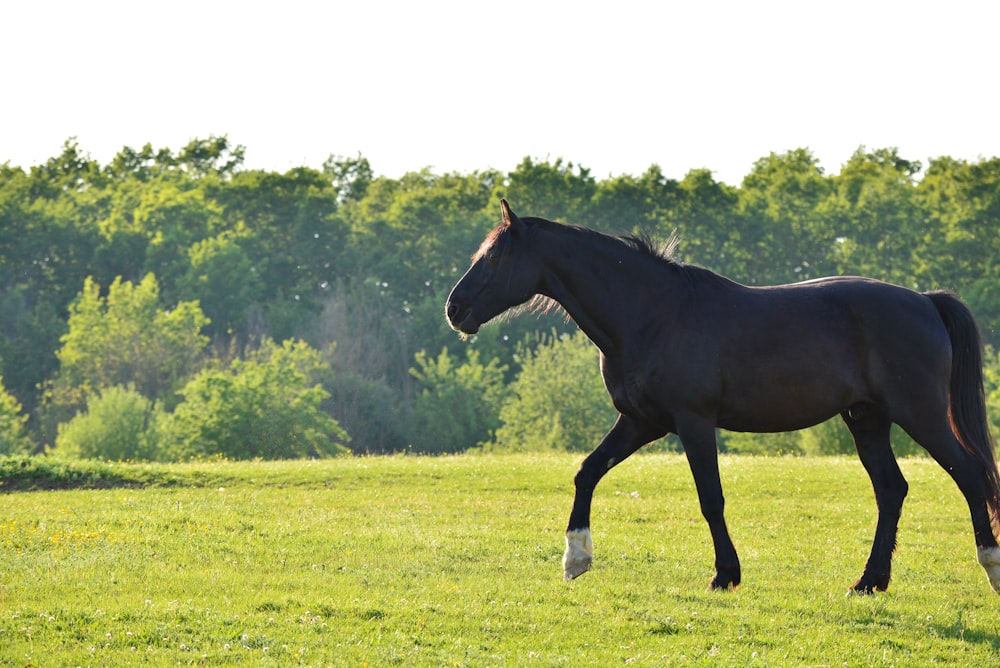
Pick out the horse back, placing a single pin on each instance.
(787, 357)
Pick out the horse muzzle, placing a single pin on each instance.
(461, 319)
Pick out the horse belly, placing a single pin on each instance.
(780, 397)
(778, 416)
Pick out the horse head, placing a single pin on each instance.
(504, 273)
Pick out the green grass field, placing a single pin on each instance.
(456, 562)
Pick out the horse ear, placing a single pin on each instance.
(510, 218)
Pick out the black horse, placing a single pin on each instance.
(684, 350)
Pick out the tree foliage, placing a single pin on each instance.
(125, 338)
(13, 435)
(168, 270)
(558, 400)
(263, 406)
(457, 405)
(118, 424)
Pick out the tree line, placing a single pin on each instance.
(174, 304)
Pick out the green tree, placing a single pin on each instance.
(629, 204)
(174, 217)
(874, 212)
(118, 424)
(828, 438)
(779, 202)
(140, 165)
(961, 248)
(223, 280)
(707, 219)
(212, 156)
(992, 387)
(414, 235)
(373, 341)
(13, 435)
(29, 335)
(265, 406)
(557, 401)
(351, 176)
(72, 170)
(340, 254)
(126, 338)
(372, 412)
(294, 239)
(47, 238)
(557, 190)
(124, 239)
(410, 240)
(458, 405)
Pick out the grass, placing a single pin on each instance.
(456, 562)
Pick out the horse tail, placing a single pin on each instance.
(967, 405)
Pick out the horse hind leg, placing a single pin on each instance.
(870, 429)
(970, 475)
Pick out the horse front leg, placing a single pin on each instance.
(625, 437)
(698, 439)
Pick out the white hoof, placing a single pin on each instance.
(579, 553)
(989, 559)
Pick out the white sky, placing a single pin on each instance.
(462, 86)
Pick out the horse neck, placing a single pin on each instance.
(599, 282)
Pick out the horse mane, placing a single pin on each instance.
(641, 242)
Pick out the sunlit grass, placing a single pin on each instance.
(456, 561)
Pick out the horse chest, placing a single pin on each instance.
(655, 389)
(632, 391)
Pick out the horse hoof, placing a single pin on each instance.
(579, 553)
(726, 578)
(719, 584)
(989, 559)
(868, 584)
(856, 590)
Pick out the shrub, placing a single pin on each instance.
(13, 437)
(117, 424)
(264, 406)
(558, 400)
(745, 443)
(125, 338)
(458, 405)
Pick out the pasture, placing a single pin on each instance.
(455, 561)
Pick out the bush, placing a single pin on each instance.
(264, 406)
(746, 443)
(828, 438)
(558, 400)
(117, 424)
(124, 338)
(13, 437)
(992, 383)
(458, 405)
